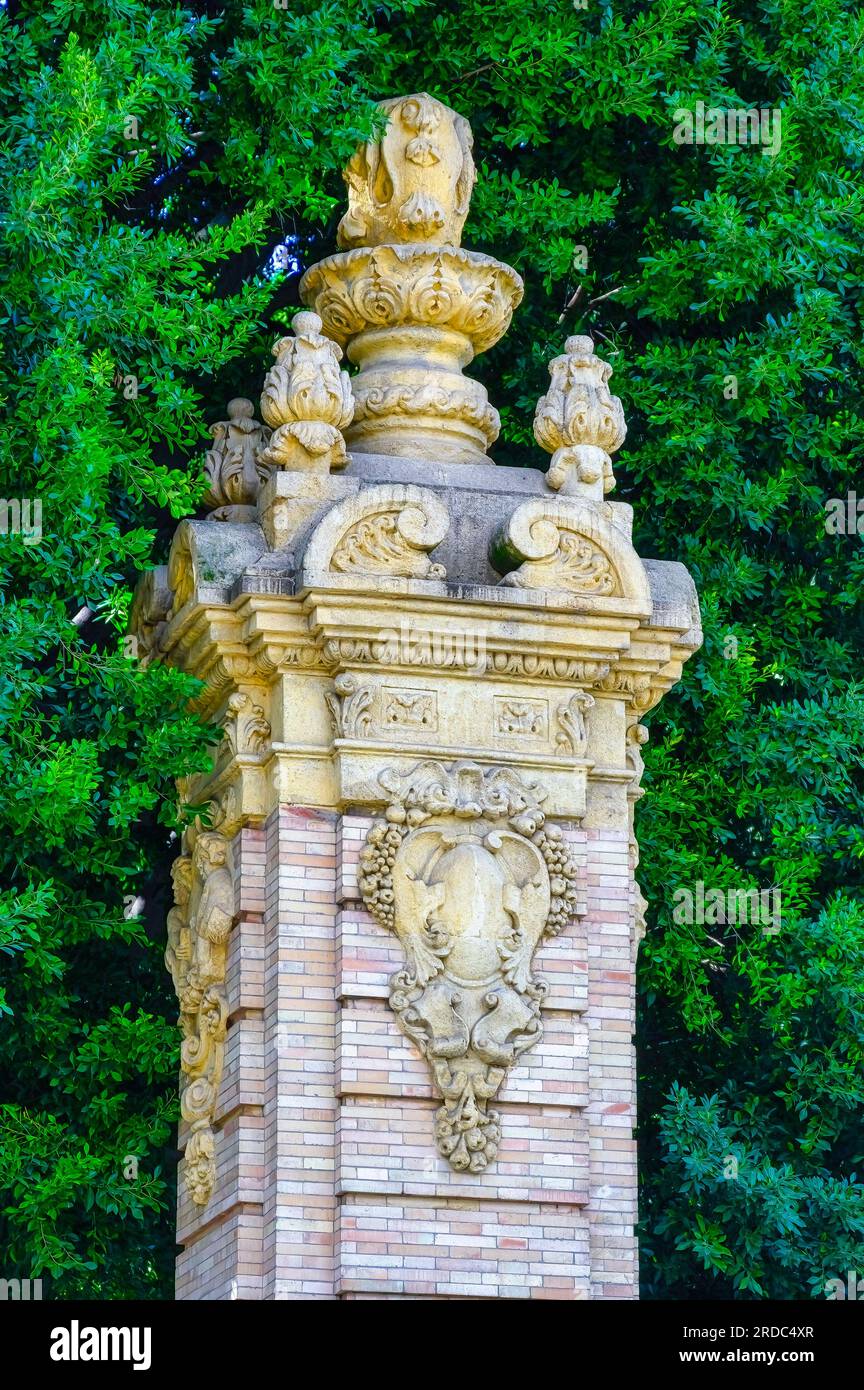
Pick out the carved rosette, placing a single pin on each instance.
(580, 422)
(199, 926)
(235, 466)
(468, 874)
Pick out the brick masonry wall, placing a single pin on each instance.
(329, 1183)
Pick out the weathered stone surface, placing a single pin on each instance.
(427, 682)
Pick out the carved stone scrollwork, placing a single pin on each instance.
(247, 729)
(557, 556)
(199, 925)
(384, 530)
(467, 873)
(533, 667)
(182, 570)
(572, 738)
(561, 543)
(349, 705)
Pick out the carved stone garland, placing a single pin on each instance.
(199, 925)
(464, 869)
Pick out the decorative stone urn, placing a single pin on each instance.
(405, 930)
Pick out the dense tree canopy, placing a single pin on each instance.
(152, 158)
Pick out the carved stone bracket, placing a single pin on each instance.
(349, 705)
(199, 925)
(467, 873)
(247, 729)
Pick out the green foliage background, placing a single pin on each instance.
(149, 257)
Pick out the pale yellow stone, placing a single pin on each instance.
(414, 184)
(198, 929)
(234, 467)
(468, 873)
(307, 400)
(580, 422)
(469, 661)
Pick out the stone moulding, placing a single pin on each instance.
(469, 875)
(412, 317)
(377, 287)
(386, 530)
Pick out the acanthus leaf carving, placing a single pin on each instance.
(580, 422)
(572, 737)
(235, 467)
(413, 286)
(561, 558)
(387, 529)
(469, 875)
(308, 401)
(568, 544)
(247, 729)
(380, 545)
(199, 926)
(350, 707)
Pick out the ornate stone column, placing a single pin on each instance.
(404, 939)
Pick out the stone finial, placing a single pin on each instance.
(580, 422)
(308, 400)
(234, 466)
(411, 306)
(414, 184)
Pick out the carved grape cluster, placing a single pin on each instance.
(562, 877)
(376, 864)
(468, 1146)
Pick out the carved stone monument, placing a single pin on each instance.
(404, 937)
